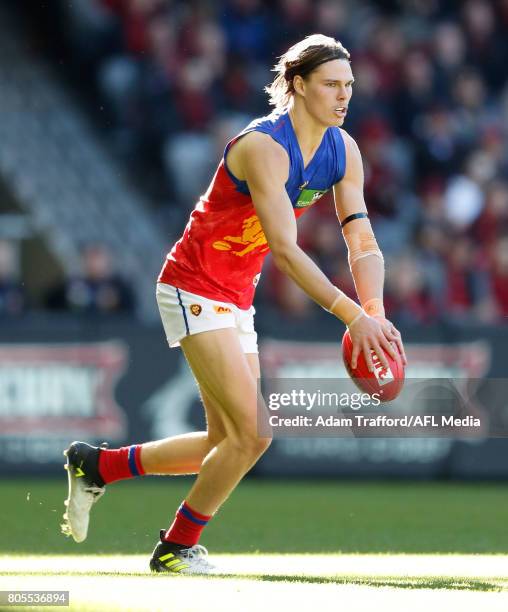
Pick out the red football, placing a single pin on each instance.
(387, 383)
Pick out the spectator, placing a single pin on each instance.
(438, 151)
(246, 25)
(464, 196)
(465, 288)
(449, 46)
(499, 277)
(408, 299)
(417, 93)
(432, 242)
(493, 222)
(98, 290)
(292, 23)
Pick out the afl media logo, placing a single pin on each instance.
(196, 309)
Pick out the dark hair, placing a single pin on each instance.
(301, 59)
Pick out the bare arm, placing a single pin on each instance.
(367, 268)
(368, 272)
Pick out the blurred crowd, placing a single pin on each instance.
(176, 79)
(96, 289)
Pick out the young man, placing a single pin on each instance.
(271, 173)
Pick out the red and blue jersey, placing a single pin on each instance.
(221, 252)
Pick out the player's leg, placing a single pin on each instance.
(228, 462)
(224, 372)
(184, 454)
(184, 313)
(90, 468)
(176, 455)
(229, 377)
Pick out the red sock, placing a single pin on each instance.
(120, 463)
(187, 527)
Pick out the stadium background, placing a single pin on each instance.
(113, 116)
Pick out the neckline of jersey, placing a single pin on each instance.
(317, 152)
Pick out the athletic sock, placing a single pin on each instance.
(120, 463)
(187, 527)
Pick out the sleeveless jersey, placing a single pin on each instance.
(223, 246)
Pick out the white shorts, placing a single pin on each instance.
(184, 314)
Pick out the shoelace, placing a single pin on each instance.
(198, 554)
(194, 552)
(97, 492)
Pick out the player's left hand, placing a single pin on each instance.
(392, 334)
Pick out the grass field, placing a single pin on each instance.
(353, 546)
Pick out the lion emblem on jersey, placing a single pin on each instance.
(251, 238)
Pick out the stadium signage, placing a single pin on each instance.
(50, 391)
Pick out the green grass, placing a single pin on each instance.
(252, 582)
(268, 517)
(281, 544)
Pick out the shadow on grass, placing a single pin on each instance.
(425, 582)
(409, 582)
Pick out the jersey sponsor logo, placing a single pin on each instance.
(308, 197)
(196, 309)
(252, 237)
(221, 309)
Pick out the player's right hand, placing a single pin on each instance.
(367, 334)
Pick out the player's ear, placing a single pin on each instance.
(299, 85)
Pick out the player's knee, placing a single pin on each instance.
(214, 438)
(249, 443)
(258, 445)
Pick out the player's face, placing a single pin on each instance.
(328, 90)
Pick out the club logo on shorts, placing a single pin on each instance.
(221, 309)
(196, 309)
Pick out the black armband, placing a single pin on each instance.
(360, 215)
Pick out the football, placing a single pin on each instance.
(387, 383)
